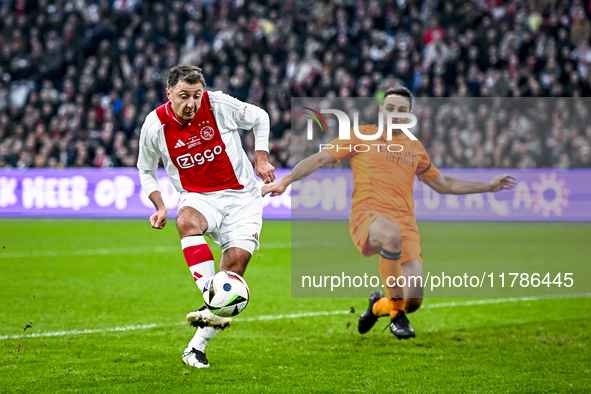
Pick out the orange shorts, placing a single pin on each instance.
(360, 222)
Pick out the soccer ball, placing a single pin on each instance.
(226, 294)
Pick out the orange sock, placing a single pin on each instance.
(396, 305)
(390, 269)
(381, 308)
(387, 307)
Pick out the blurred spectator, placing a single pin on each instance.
(78, 77)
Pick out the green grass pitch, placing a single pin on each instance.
(98, 306)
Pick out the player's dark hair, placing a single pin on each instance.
(399, 91)
(184, 72)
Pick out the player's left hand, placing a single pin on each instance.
(502, 182)
(263, 168)
(158, 219)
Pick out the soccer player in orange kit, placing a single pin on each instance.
(382, 217)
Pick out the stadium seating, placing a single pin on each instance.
(77, 78)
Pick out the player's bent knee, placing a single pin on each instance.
(186, 226)
(190, 222)
(182, 222)
(412, 304)
(394, 237)
(384, 234)
(397, 238)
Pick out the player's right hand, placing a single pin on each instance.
(158, 219)
(275, 188)
(502, 182)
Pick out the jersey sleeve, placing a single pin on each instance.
(426, 170)
(148, 157)
(236, 114)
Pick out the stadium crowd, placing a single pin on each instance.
(78, 77)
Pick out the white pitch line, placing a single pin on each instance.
(293, 316)
(278, 317)
(81, 332)
(490, 301)
(154, 325)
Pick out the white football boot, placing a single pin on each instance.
(203, 317)
(195, 358)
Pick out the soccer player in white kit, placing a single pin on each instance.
(196, 135)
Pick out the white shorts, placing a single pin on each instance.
(234, 217)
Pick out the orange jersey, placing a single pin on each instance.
(383, 176)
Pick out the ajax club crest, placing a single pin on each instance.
(207, 132)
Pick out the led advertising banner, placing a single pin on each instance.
(94, 193)
(540, 195)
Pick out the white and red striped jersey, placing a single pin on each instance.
(205, 153)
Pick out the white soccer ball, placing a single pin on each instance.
(226, 294)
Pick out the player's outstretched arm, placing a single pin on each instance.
(301, 170)
(158, 219)
(448, 185)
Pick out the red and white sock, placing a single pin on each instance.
(199, 259)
